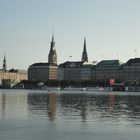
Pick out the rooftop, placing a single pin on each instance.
(134, 61)
(42, 64)
(71, 64)
(109, 62)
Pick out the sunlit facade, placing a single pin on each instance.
(42, 72)
(13, 76)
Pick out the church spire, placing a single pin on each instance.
(52, 57)
(4, 63)
(52, 43)
(84, 54)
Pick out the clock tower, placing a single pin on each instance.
(52, 57)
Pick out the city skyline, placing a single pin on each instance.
(111, 29)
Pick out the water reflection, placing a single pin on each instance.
(33, 115)
(42, 104)
(13, 106)
(3, 99)
(87, 107)
(52, 106)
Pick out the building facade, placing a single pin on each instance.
(108, 69)
(70, 71)
(86, 71)
(132, 72)
(13, 77)
(42, 72)
(9, 78)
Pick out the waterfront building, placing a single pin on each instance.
(132, 71)
(70, 71)
(106, 70)
(80, 71)
(86, 71)
(43, 72)
(12, 77)
(21, 74)
(61, 71)
(75, 71)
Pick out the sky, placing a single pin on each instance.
(111, 28)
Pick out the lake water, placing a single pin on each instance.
(38, 115)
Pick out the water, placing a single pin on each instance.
(37, 115)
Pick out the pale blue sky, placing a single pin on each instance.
(111, 28)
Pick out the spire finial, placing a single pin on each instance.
(52, 37)
(52, 33)
(52, 42)
(84, 43)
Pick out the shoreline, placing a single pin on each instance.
(59, 92)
